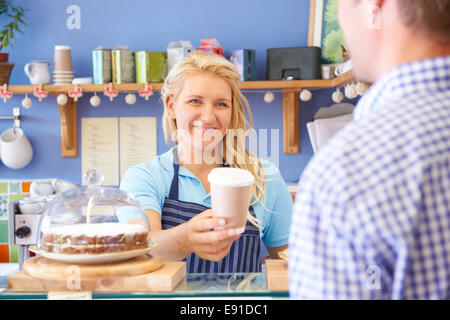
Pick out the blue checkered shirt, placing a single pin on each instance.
(372, 211)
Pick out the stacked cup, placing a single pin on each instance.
(62, 66)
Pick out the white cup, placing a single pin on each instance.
(15, 148)
(32, 205)
(230, 195)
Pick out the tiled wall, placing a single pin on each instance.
(10, 191)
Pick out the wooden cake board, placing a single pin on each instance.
(277, 275)
(144, 274)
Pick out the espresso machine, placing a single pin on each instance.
(23, 228)
(25, 214)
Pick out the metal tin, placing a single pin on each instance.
(158, 66)
(101, 63)
(142, 67)
(123, 66)
(151, 66)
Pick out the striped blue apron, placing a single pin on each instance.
(244, 255)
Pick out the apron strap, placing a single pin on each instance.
(173, 194)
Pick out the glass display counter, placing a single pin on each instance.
(202, 286)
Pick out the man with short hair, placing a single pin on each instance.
(372, 212)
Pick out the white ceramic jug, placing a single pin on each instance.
(15, 148)
(39, 73)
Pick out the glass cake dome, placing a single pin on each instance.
(92, 220)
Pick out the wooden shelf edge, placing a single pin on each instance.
(124, 87)
(286, 84)
(343, 79)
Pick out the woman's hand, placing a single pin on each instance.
(207, 243)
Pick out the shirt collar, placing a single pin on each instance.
(167, 159)
(167, 163)
(427, 75)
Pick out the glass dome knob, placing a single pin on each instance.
(93, 177)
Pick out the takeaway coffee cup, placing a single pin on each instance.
(231, 190)
(15, 148)
(62, 65)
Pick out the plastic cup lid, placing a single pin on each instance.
(231, 177)
(59, 47)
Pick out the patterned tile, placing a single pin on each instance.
(15, 187)
(13, 253)
(3, 206)
(26, 186)
(4, 253)
(3, 187)
(3, 231)
(14, 197)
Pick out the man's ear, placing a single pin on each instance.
(374, 9)
(378, 3)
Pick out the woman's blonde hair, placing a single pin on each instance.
(234, 152)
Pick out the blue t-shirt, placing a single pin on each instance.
(150, 184)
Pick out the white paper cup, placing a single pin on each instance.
(231, 190)
(62, 59)
(15, 148)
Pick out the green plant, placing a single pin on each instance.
(16, 15)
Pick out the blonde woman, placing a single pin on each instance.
(204, 115)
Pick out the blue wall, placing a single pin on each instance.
(150, 25)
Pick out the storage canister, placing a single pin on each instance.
(123, 66)
(158, 66)
(142, 66)
(101, 63)
(151, 66)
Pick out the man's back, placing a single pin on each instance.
(372, 217)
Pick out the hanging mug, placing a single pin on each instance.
(15, 148)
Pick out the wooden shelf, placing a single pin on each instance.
(125, 87)
(300, 84)
(291, 136)
(50, 88)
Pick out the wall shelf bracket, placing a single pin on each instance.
(291, 127)
(69, 133)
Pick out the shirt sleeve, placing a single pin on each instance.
(143, 185)
(277, 209)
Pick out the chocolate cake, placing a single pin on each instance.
(94, 238)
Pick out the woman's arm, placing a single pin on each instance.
(273, 252)
(196, 235)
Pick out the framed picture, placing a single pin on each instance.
(324, 30)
